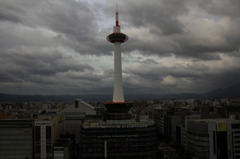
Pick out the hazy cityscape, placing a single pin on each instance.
(94, 79)
(179, 128)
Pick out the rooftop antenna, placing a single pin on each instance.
(116, 16)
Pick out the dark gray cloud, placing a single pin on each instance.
(175, 27)
(162, 15)
(221, 7)
(60, 47)
(9, 12)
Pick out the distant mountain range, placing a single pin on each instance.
(230, 92)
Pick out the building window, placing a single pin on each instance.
(48, 148)
(235, 126)
(76, 104)
(48, 132)
(37, 133)
(37, 149)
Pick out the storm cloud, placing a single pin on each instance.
(60, 47)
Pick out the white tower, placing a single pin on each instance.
(117, 38)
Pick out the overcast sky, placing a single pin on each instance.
(175, 46)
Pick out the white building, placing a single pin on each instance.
(214, 138)
(47, 130)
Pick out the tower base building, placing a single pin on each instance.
(118, 139)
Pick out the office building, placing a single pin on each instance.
(16, 139)
(214, 138)
(75, 113)
(47, 130)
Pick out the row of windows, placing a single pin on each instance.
(236, 126)
(15, 152)
(38, 148)
(120, 144)
(194, 148)
(204, 144)
(15, 146)
(134, 134)
(38, 133)
(15, 131)
(16, 156)
(25, 133)
(198, 139)
(144, 130)
(141, 154)
(119, 139)
(39, 157)
(199, 135)
(15, 138)
(119, 149)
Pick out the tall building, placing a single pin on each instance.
(171, 123)
(214, 138)
(16, 139)
(47, 130)
(181, 132)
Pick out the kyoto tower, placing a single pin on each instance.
(117, 38)
(118, 108)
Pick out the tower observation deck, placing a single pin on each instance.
(117, 36)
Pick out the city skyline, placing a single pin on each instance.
(59, 47)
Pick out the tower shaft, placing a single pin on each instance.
(118, 87)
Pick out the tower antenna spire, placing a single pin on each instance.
(117, 24)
